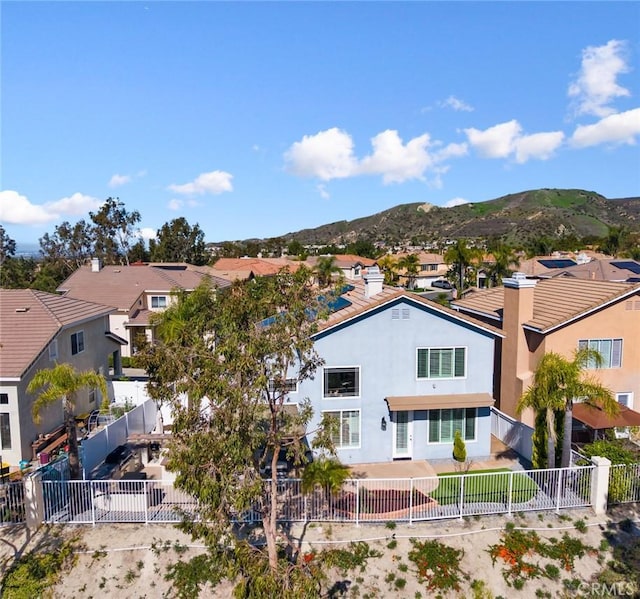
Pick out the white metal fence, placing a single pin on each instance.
(359, 500)
(12, 506)
(624, 483)
(512, 433)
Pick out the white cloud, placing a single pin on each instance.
(322, 190)
(330, 155)
(175, 204)
(75, 205)
(147, 233)
(397, 162)
(457, 104)
(622, 128)
(326, 155)
(497, 141)
(456, 202)
(118, 180)
(540, 146)
(17, 209)
(215, 182)
(596, 86)
(506, 140)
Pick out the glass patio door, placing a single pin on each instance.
(403, 434)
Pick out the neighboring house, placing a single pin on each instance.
(432, 267)
(401, 374)
(247, 267)
(135, 291)
(38, 330)
(610, 269)
(351, 266)
(561, 315)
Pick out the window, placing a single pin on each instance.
(290, 386)
(53, 350)
(443, 424)
(342, 382)
(77, 343)
(5, 431)
(158, 301)
(441, 363)
(609, 349)
(92, 396)
(625, 399)
(347, 434)
(4, 398)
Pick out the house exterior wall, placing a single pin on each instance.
(116, 324)
(385, 350)
(24, 431)
(613, 322)
(523, 349)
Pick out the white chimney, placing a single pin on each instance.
(373, 281)
(95, 265)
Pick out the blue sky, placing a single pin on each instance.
(257, 119)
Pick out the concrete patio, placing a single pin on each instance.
(501, 456)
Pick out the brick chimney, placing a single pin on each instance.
(515, 373)
(373, 281)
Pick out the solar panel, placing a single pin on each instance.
(557, 263)
(634, 267)
(339, 303)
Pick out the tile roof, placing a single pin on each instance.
(259, 266)
(555, 301)
(359, 305)
(600, 270)
(29, 320)
(121, 286)
(342, 260)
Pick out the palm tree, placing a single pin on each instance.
(327, 473)
(325, 268)
(410, 263)
(388, 265)
(557, 383)
(505, 258)
(461, 258)
(62, 382)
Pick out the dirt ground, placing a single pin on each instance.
(129, 561)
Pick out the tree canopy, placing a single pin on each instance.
(178, 241)
(234, 353)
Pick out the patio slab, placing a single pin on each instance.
(395, 469)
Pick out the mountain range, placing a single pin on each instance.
(515, 217)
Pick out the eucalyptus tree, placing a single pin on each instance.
(557, 383)
(114, 231)
(236, 356)
(178, 241)
(63, 383)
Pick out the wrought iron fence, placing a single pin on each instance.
(624, 483)
(359, 500)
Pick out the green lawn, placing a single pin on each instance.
(484, 488)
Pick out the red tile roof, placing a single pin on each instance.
(30, 319)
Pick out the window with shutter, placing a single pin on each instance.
(609, 349)
(447, 362)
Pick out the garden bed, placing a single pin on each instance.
(373, 504)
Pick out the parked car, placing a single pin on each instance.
(442, 284)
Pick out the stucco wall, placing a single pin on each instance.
(386, 352)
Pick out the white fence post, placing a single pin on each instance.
(462, 476)
(410, 501)
(92, 489)
(510, 496)
(600, 484)
(33, 501)
(357, 502)
(558, 491)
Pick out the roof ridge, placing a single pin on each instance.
(41, 300)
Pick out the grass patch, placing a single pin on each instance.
(494, 489)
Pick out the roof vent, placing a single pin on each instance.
(518, 276)
(26, 309)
